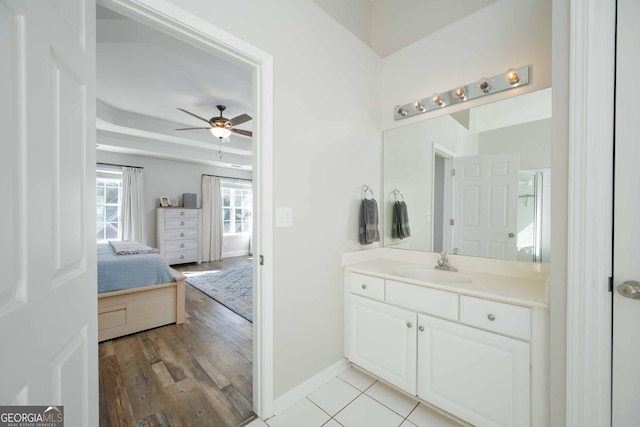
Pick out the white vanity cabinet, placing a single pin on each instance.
(472, 357)
(384, 341)
(478, 376)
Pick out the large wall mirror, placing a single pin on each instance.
(475, 182)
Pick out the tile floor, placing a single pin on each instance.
(354, 399)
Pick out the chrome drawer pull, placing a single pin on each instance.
(181, 234)
(181, 213)
(364, 286)
(181, 256)
(181, 222)
(491, 317)
(182, 245)
(409, 324)
(421, 328)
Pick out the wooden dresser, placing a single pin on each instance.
(178, 232)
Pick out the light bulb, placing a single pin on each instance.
(400, 111)
(437, 99)
(512, 76)
(418, 106)
(484, 85)
(459, 93)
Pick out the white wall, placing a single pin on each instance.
(326, 146)
(172, 178)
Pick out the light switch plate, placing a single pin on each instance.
(284, 217)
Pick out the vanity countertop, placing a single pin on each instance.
(529, 289)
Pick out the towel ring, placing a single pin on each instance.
(396, 192)
(366, 188)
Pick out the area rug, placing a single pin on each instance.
(231, 288)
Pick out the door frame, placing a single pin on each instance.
(183, 25)
(590, 78)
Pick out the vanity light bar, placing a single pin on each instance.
(512, 78)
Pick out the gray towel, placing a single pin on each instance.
(400, 221)
(368, 225)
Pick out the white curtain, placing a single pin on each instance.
(211, 219)
(132, 208)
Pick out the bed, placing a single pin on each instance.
(136, 292)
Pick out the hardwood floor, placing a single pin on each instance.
(195, 374)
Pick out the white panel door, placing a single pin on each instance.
(626, 311)
(481, 377)
(486, 195)
(382, 340)
(48, 326)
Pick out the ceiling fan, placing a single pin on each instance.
(222, 127)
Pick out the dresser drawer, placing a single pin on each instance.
(177, 222)
(372, 287)
(181, 257)
(181, 213)
(496, 316)
(181, 234)
(180, 246)
(425, 300)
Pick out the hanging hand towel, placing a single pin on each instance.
(368, 224)
(400, 221)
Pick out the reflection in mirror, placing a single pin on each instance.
(475, 182)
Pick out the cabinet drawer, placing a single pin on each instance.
(181, 234)
(181, 213)
(181, 257)
(425, 300)
(496, 316)
(180, 246)
(372, 287)
(177, 222)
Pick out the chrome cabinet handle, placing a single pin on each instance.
(364, 286)
(511, 235)
(181, 213)
(181, 256)
(409, 325)
(491, 317)
(421, 328)
(181, 234)
(182, 245)
(629, 289)
(181, 222)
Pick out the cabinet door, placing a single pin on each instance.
(481, 377)
(382, 340)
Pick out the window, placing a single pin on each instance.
(237, 202)
(108, 203)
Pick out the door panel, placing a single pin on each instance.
(626, 312)
(48, 308)
(486, 192)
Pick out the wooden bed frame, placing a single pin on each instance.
(134, 310)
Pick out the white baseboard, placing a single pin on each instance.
(304, 389)
(244, 252)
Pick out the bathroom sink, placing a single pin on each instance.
(430, 274)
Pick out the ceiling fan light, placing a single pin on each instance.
(220, 133)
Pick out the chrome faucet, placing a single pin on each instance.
(443, 263)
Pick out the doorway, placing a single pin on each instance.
(187, 28)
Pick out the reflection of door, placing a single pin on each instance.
(626, 311)
(486, 194)
(442, 199)
(48, 299)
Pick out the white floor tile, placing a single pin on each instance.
(392, 399)
(366, 412)
(423, 416)
(357, 378)
(304, 413)
(332, 423)
(334, 396)
(257, 423)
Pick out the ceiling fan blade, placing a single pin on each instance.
(242, 132)
(239, 119)
(194, 115)
(192, 128)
